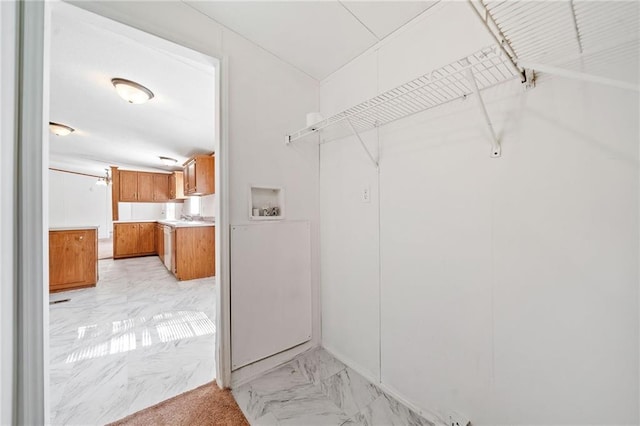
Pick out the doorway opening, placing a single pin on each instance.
(138, 178)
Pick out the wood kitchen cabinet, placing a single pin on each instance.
(161, 187)
(73, 259)
(134, 239)
(194, 252)
(143, 186)
(176, 186)
(199, 174)
(128, 186)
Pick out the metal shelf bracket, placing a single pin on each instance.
(501, 41)
(496, 150)
(364, 146)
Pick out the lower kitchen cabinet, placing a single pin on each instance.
(194, 252)
(73, 259)
(134, 239)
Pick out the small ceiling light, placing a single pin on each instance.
(106, 180)
(168, 161)
(60, 129)
(131, 91)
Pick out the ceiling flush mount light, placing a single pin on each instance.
(131, 91)
(60, 129)
(167, 161)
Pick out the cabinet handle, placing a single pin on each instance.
(81, 237)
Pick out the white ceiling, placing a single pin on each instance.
(317, 37)
(178, 122)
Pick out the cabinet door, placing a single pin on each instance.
(204, 175)
(147, 238)
(172, 186)
(145, 186)
(84, 246)
(176, 186)
(72, 259)
(190, 177)
(160, 187)
(195, 252)
(125, 239)
(57, 259)
(128, 186)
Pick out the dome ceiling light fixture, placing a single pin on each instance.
(60, 129)
(168, 161)
(130, 91)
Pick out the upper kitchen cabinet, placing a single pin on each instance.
(128, 186)
(161, 187)
(143, 187)
(176, 186)
(199, 174)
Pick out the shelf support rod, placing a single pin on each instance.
(493, 29)
(576, 75)
(364, 146)
(496, 150)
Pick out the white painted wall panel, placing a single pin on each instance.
(271, 293)
(350, 274)
(506, 282)
(509, 287)
(76, 200)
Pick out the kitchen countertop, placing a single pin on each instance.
(135, 221)
(172, 223)
(72, 228)
(185, 224)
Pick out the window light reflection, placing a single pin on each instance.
(169, 326)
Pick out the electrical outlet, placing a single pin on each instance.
(457, 419)
(366, 194)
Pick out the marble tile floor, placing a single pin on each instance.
(317, 389)
(139, 337)
(105, 248)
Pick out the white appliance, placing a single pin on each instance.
(168, 243)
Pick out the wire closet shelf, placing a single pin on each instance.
(485, 68)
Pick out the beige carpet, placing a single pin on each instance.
(203, 406)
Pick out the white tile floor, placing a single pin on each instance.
(317, 389)
(137, 338)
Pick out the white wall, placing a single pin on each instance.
(208, 205)
(76, 200)
(267, 98)
(142, 211)
(508, 288)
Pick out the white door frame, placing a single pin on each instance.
(32, 248)
(31, 239)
